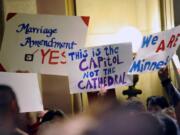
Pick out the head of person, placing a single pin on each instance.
(156, 103)
(168, 124)
(8, 108)
(127, 124)
(8, 101)
(133, 105)
(52, 115)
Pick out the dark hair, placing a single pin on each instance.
(51, 114)
(127, 124)
(7, 96)
(133, 106)
(157, 101)
(168, 124)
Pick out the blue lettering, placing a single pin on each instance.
(52, 43)
(147, 65)
(161, 64)
(110, 81)
(86, 75)
(146, 41)
(140, 66)
(81, 67)
(36, 30)
(135, 66)
(89, 85)
(80, 86)
(154, 40)
(153, 65)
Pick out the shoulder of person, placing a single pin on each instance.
(20, 132)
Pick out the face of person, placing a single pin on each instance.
(154, 108)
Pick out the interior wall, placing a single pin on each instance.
(176, 4)
(56, 7)
(1, 21)
(109, 16)
(20, 6)
(56, 93)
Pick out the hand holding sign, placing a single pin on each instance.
(102, 91)
(163, 74)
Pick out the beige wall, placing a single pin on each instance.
(109, 16)
(1, 22)
(56, 92)
(20, 6)
(56, 7)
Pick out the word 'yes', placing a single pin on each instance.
(53, 56)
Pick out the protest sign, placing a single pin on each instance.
(38, 43)
(26, 88)
(91, 69)
(156, 51)
(176, 66)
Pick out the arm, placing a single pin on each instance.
(172, 92)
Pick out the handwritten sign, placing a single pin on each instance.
(90, 69)
(39, 43)
(176, 62)
(26, 88)
(156, 51)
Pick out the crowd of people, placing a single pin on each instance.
(161, 116)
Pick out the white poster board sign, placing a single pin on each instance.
(177, 63)
(38, 43)
(91, 69)
(26, 88)
(156, 51)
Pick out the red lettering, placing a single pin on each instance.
(171, 41)
(53, 57)
(174, 45)
(161, 46)
(64, 56)
(44, 54)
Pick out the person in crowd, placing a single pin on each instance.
(172, 92)
(50, 118)
(117, 123)
(156, 103)
(170, 111)
(169, 125)
(51, 115)
(130, 118)
(34, 121)
(133, 105)
(9, 111)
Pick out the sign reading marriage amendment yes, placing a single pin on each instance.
(39, 43)
(94, 68)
